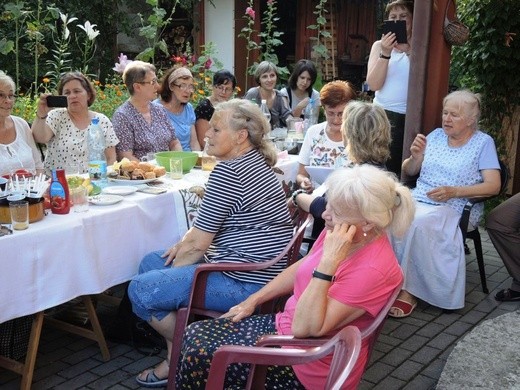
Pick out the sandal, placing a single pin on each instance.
(401, 308)
(151, 380)
(507, 295)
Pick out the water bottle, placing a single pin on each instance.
(97, 163)
(309, 114)
(265, 111)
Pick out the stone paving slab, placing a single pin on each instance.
(410, 353)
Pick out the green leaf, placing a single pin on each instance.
(6, 46)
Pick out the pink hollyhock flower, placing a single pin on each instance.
(208, 63)
(250, 11)
(270, 1)
(122, 64)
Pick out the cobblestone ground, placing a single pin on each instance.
(410, 353)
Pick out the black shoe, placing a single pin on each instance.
(507, 295)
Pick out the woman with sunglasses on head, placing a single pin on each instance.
(64, 130)
(142, 126)
(224, 83)
(175, 92)
(17, 147)
(266, 76)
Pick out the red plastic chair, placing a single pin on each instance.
(196, 305)
(345, 345)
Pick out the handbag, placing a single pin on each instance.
(455, 32)
(14, 337)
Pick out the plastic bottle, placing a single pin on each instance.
(310, 116)
(265, 110)
(59, 192)
(97, 163)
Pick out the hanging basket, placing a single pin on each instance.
(455, 32)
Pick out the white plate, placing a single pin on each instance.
(105, 200)
(132, 182)
(319, 174)
(120, 190)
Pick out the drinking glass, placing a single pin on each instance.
(19, 210)
(176, 168)
(208, 163)
(79, 197)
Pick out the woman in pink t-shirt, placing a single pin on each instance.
(345, 280)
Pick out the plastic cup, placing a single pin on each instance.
(176, 168)
(19, 210)
(79, 197)
(208, 163)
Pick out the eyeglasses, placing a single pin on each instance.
(185, 87)
(223, 89)
(3, 96)
(332, 114)
(151, 82)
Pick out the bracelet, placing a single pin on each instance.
(319, 275)
(295, 194)
(381, 55)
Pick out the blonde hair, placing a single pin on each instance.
(7, 80)
(468, 102)
(366, 132)
(376, 194)
(247, 115)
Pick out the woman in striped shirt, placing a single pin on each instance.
(243, 218)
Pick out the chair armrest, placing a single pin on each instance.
(279, 340)
(464, 219)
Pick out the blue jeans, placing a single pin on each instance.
(159, 290)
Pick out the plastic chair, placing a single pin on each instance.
(258, 372)
(475, 234)
(196, 305)
(345, 345)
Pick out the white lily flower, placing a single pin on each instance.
(90, 30)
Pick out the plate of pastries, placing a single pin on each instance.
(135, 172)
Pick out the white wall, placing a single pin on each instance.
(220, 29)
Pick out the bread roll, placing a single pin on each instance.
(159, 171)
(145, 166)
(149, 175)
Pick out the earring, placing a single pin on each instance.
(364, 234)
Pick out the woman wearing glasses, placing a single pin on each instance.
(17, 147)
(64, 130)
(224, 83)
(175, 93)
(142, 127)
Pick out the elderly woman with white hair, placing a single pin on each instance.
(266, 76)
(346, 279)
(17, 147)
(456, 162)
(142, 126)
(243, 218)
(175, 91)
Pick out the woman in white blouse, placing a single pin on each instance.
(17, 147)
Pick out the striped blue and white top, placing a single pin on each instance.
(245, 207)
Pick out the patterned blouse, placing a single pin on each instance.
(139, 136)
(69, 144)
(319, 150)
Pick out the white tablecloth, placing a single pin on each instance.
(65, 256)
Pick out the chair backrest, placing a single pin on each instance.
(464, 219)
(345, 346)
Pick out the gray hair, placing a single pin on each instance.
(375, 193)
(264, 67)
(468, 102)
(7, 80)
(135, 72)
(366, 132)
(247, 115)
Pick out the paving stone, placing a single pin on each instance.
(425, 355)
(407, 370)
(442, 341)
(396, 357)
(434, 369)
(404, 331)
(447, 318)
(77, 381)
(420, 382)
(378, 372)
(414, 342)
(390, 383)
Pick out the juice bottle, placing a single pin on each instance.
(59, 192)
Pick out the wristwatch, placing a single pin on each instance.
(381, 55)
(322, 276)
